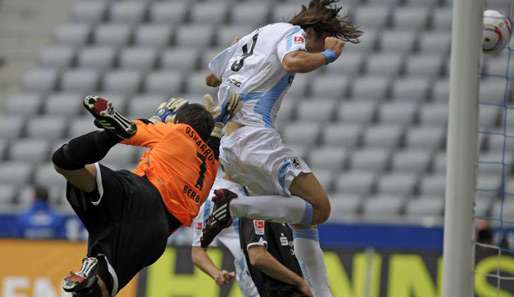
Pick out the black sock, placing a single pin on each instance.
(86, 149)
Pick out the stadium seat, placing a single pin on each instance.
(411, 161)
(7, 194)
(369, 159)
(250, 13)
(23, 104)
(228, 34)
(441, 91)
(433, 185)
(355, 183)
(357, 111)
(489, 183)
(143, 105)
(11, 126)
(29, 150)
(80, 126)
(344, 207)
(435, 42)
(330, 86)
(40, 80)
(196, 36)
(195, 83)
(128, 12)
(179, 59)
(73, 34)
(283, 12)
(57, 57)
(442, 19)
(46, 127)
(168, 12)
(301, 84)
(165, 82)
(412, 18)
(383, 136)
(325, 178)
(422, 3)
(503, 210)
(120, 155)
(349, 64)
(153, 35)
(15, 173)
(316, 110)
(429, 138)
(63, 104)
(384, 64)
(398, 41)
(122, 81)
(301, 133)
(80, 80)
(4, 144)
(439, 164)
(397, 184)
(344, 135)
(411, 89)
(427, 65)
(497, 65)
(371, 87)
(97, 57)
(383, 207)
(287, 111)
(138, 58)
(400, 113)
(425, 206)
(372, 16)
(89, 12)
(110, 34)
(209, 54)
(493, 91)
(211, 13)
(434, 114)
(330, 158)
(488, 116)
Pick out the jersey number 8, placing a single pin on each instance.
(239, 63)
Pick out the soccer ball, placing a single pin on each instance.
(496, 32)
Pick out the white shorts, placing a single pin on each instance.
(257, 158)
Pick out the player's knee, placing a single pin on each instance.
(62, 161)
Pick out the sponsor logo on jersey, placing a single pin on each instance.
(283, 240)
(296, 163)
(298, 39)
(198, 227)
(258, 226)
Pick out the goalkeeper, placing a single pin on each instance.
(129, 215)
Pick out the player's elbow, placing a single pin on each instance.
(257, 256)
(291, 66)
(212, 81)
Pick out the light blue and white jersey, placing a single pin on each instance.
(229, 237)
(252, 67)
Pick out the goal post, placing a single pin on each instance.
(462, 148)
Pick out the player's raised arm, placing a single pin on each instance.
(303, 62)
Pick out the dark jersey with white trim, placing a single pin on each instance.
(278, 240)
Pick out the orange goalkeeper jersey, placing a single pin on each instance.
(178, 163)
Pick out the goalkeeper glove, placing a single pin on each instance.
(166, 111)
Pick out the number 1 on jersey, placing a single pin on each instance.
(203, 169)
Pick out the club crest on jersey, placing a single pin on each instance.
(296, 163)
(298, 39)
(258, 226)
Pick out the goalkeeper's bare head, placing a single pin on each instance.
(322, 19)
(196, 116)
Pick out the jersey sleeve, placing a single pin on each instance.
(219, 63)
(256, 234)
(199, 222)
(147, 135)
(292, 42)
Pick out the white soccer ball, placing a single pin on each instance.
(496, 33)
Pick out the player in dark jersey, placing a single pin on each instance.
(129, 215)
(269, 252)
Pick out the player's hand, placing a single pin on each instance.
(334, 44)
(305, 289)
(224, 113)
(224, 277)
(167, 110)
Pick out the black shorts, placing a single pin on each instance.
(129, 223)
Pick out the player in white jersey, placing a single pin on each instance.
(260, 67)
(229, 238)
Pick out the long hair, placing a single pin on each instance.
(323, 16)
